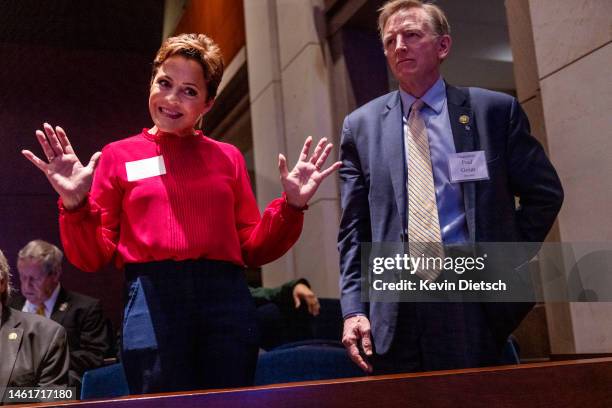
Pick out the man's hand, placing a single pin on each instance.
(301, 293)
(356, 336)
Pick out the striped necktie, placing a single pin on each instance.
(424, 237)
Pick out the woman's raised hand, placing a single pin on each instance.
(63, 168)
(301, 183)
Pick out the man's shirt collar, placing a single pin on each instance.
(49, 303)
(434, 97)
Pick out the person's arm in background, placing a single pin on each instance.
(296, 291)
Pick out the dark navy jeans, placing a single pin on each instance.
(188, 325)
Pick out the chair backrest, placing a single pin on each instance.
(511, 352)
(328, 324)
(104, 382)
(304, 363)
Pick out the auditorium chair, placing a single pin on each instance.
(104, 382)
(305, 361)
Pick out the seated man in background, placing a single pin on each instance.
(33, 350)
(284, 313)
(40, 266)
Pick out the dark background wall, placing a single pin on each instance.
(84, 65)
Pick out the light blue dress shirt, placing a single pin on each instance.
(449, 196)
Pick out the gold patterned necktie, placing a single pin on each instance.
(40, 309)
(424, 237)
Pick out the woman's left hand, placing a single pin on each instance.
(301, 183)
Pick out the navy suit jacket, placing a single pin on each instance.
(373, 188)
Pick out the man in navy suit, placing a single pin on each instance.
(375, 199)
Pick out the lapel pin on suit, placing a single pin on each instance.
(63, 307)
(464, 120)
(12, 336)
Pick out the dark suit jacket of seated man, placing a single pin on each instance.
(33, 349)
(89, 337)
(375, 200)
(82, 318)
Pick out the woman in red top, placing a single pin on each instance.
(175, 209)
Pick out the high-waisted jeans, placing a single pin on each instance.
(188, 325)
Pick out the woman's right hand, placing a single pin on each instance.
(63, 168)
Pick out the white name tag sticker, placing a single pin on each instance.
(141, 169)
(468, 166)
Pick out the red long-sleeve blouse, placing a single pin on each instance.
(195, 202)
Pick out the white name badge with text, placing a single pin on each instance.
(468, 166)
(141, 169)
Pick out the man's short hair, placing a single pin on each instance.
(5, 275)
(437, 19)
(42, 252)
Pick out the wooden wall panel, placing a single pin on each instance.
(583, 383)
(222, 20)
